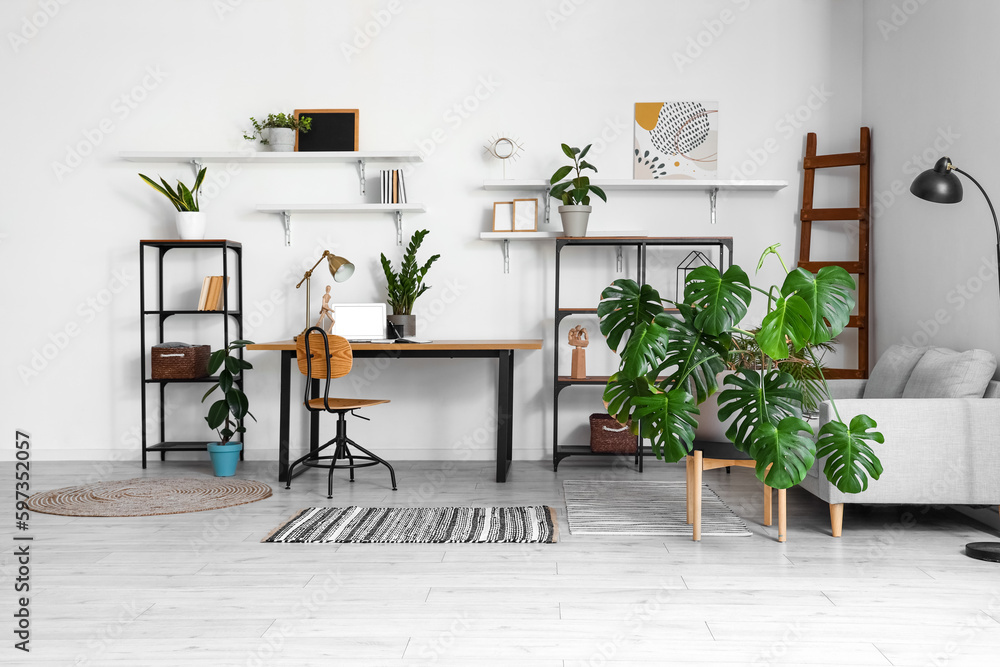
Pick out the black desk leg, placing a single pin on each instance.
(287, 356)
(505, 414)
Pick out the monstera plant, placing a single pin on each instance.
(670, 362)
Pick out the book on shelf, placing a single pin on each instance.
(222, 292)
(393, 188)
(203, 297)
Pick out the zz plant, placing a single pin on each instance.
(233, 407)
(406, 285)
(670, 362)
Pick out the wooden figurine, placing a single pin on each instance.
(326, 312)
(578, 339)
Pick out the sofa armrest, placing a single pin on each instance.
(840, 389)
(937, 451)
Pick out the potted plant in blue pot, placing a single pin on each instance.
(227, 412)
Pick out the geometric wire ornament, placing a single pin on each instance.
(694, 260)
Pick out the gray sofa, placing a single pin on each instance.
(937, 451)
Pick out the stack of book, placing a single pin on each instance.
(393, 189)
(212, 292)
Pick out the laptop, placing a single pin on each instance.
(360, 322)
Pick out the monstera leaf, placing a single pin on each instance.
(668, 420)
(646, 346)
(850, 455)
(783, 454)
(692, 354)
(758, 398)
(624, 305)
(828, 294)
(620, 395)
(720, 299)
(791, 320)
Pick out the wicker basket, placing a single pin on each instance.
(179, 361)
(607, 436)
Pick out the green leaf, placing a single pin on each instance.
(560, 174)
(165, 193)
(568, 151)
(233, 365)
(215, 361)
(769, 250)
(785, 449)
(828, 294)
(239, 343)
(646, 346)
(225, 381)
(791, 319)
(583, 153)
(586, 165)
(558, 190)
(209, 392)
(691, 354)
(237, 402)
(217, 414)
(850, 455)
(721, 299)
(620, 395)
(245, 365)
(580, 194)
(757, 398)
(623, 306)
(668, 421)
(598, 191)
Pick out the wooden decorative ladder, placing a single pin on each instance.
(861, 268)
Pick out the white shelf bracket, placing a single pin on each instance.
(548, 201)
(618, 259)
(287, 217)
(361, 174)
(713, 197)
(506, 255)
(399, 228)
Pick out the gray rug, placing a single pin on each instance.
(644, 508)
(535, 524)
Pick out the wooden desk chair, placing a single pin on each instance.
(712, 455)
(329, 357)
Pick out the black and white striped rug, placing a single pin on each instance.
(644, 508)
(536, 524)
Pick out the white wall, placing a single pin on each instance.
(927, 94)
(554, 71)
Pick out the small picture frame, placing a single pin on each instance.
(331, 130)
(503, 216)
(525, 215)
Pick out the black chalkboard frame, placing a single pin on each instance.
(321, 119)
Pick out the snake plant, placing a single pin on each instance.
(182, 198)
(670, 364)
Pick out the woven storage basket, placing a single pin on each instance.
(179, 361)
(607, 436)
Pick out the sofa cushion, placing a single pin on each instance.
(944, 373)
(889, 377)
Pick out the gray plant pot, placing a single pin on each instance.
(407, 322)
(279, 139)
(574, 219)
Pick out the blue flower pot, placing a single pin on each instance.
(225, 457)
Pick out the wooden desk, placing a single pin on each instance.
(502, 350)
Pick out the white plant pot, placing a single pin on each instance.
(191, 224)
(574, 219)
(279, 139)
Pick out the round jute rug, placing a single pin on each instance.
(148, 497)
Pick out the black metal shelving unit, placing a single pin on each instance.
(724, 246)
(230, 317)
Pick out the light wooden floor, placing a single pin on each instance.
(200, 589)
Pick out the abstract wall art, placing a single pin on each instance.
(676, 140)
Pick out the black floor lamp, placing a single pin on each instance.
(940, 186)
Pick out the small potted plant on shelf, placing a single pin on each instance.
(671, 363)
(229, 411)
(277, 132)
(574, 193)
(405, 286)
(190, 219)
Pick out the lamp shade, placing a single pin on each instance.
(939, 185)
(341, 269)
